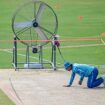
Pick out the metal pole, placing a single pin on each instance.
(15, 52)
(54, 52)
(41, 56)
(54, 57)
(27, 56)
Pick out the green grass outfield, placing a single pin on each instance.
(4, 100)
(77, 19)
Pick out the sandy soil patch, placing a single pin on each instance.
(45, 87)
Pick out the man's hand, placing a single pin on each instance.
(80, 82)
(66, 85)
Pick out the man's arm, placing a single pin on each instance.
(81, 80)
(81, 73)
(71, 80)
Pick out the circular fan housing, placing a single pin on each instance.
(34, 23)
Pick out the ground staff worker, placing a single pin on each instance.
(84, 70)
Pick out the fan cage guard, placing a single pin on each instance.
(40, 64)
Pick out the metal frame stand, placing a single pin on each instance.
(53, 59)
(15, 56)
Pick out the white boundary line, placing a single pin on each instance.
(72, 46)
(87, 45)
(102, 41)
(25, 55)
(30, 56)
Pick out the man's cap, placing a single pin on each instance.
(66, 65)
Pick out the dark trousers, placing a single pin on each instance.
(93, 81)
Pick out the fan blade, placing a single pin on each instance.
(40, 11)
(46, 30)
(23, 24)
(41, 34)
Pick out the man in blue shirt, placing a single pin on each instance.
(84, 70)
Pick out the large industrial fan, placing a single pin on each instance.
(34, 24)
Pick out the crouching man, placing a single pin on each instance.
(84, 70)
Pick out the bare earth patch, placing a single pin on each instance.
(45, 87)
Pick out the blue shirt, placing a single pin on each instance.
(81, 69)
